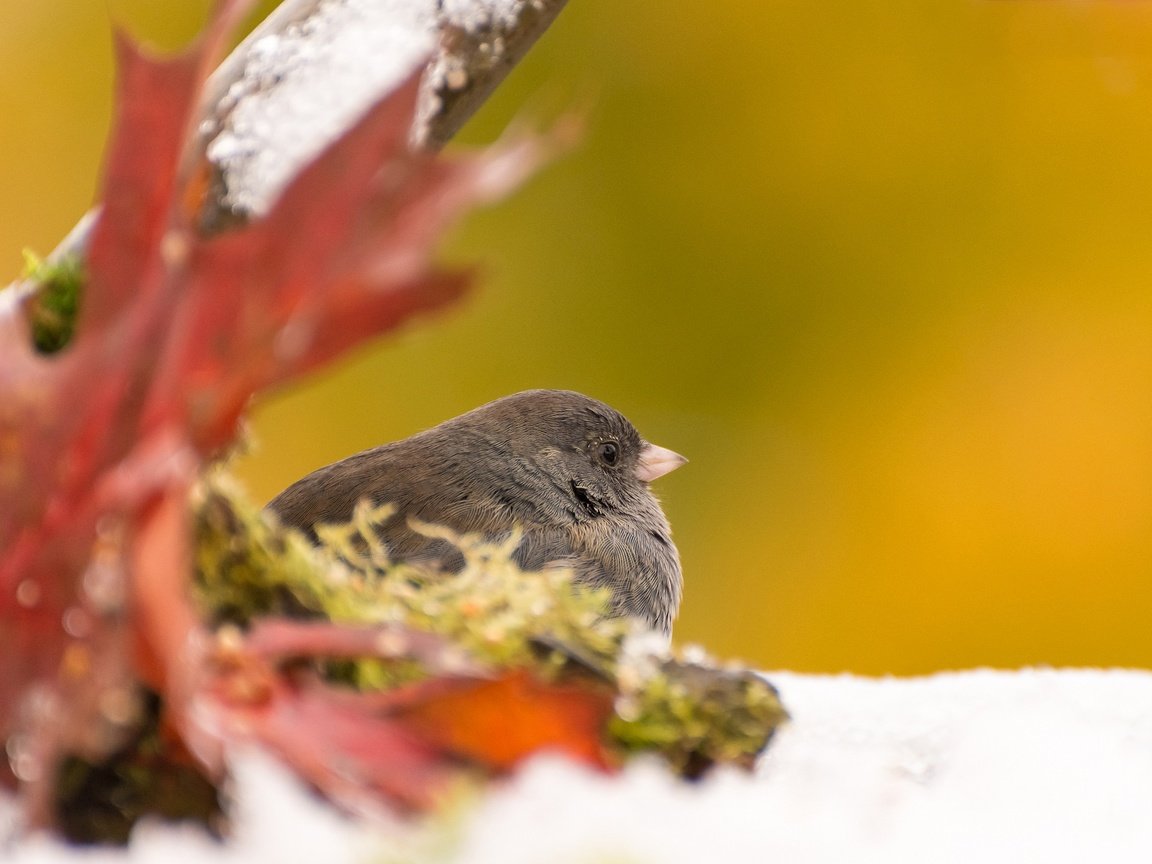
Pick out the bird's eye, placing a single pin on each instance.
(608, 452)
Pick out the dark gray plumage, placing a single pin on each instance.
(572, 472)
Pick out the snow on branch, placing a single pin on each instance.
(315, 65)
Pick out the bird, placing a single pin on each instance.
(569, 472)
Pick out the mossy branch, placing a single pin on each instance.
(686, 709)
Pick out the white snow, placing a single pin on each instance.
(1033, 765)
(301, 87)
(979, 766)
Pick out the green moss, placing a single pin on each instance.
(693, 713)
(53, 306)
(498, 614)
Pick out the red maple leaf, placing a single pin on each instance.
(100, 444)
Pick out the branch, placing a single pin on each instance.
(314, 66)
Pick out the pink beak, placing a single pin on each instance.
(656, 462)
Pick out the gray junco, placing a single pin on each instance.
(570, 471)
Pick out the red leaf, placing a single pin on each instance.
(336, 741)
(409, 744)
(98, 445)
(274, 639)
(154, 101)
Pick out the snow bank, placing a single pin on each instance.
(1035, 765)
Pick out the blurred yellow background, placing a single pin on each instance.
(883, 274)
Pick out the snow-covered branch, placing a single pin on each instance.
(315, 65)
